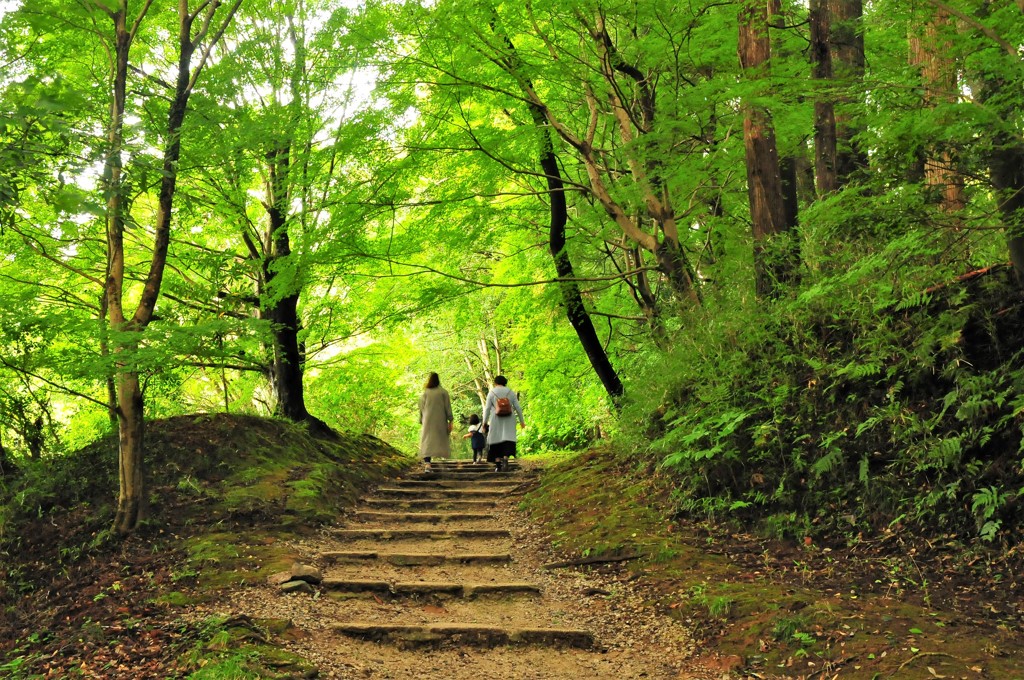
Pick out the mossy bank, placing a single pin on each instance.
(224, 493)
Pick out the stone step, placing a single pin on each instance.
(428, 588)
(466, 634)
(386, 534)
(441, 493)
(414, 559)
(429, 503)
(481, 484)
(489, 475)
(429, 517)
(433, 543)
(465, 463)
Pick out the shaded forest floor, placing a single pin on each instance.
(229, 493)
(898, 604)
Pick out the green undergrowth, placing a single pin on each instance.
(850, 408)
(603, 503)
(240, 648)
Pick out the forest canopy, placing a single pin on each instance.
(771, 248)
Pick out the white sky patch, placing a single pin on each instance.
(8, 6)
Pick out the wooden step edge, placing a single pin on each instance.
(468, 634)
(480, 477)
(415, 559)
(413, 588)
(423, 516)
(443, 493)
(457, 483)
(385, 534)
(403, 504)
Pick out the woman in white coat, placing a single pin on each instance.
(435, 421)
(501, 410)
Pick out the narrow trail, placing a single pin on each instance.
(440, 575)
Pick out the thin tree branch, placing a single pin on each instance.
(987, 30)
(51, 383)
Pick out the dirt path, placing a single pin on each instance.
(441, 576)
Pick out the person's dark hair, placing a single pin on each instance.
(433, 380)
(500, 380)
(474, 419)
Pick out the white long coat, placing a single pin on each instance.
(503, 429)
(435, 415)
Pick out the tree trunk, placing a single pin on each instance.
(131, 416)
(825, 175)
(6, 465)
(640, 288)
(131, 412)
(1006, 157)
(930, 52)
(479, 388)
(575, 310)
(129, 457)
(1007, 169)
(131, 429)
(837, 55)
(282, 311)
(669, 253)
(774, 261)
(288, 369)
(847, 47)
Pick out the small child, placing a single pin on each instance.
(476, 437)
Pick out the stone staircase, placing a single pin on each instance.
(440, 575)
(436, 537)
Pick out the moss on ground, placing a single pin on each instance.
(225, 494)
(603, 503)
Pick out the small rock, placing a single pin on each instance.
(296, 587)
(307, 573)
(279, 578)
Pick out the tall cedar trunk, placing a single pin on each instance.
(837, 54)
(847, 47)
(774, 261)
(825, 175)
(575, 310)
(1007, 168)
(283, 310)
(930, 52)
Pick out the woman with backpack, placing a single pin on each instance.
(501, 410)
